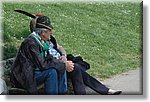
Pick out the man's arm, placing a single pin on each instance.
(40, 62)
(62, 50)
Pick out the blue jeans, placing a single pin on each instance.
(54, 82)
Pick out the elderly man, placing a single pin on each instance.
(78, 75)
(34, 65)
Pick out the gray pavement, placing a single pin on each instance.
(129, 82)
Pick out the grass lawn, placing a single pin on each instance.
(106, 35)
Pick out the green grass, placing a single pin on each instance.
(106, 35)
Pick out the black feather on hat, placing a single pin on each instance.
(40, 22)
(25, 13)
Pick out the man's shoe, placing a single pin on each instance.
(114, 92)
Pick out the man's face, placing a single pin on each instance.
(46, 34)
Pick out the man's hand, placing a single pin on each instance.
(69, 66)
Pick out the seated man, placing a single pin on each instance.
(78, 75)
(34, 65)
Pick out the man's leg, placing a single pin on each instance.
(62, 83)
(77, 81)
(49, 78)
(94, 84)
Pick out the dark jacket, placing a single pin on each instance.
(78, 60)
(28, 58)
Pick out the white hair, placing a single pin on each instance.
(40, 30)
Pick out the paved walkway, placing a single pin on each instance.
(129, 82)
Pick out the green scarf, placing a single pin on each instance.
(44, 44)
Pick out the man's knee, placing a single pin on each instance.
(77, 68)
(76, 71)
(52, 73)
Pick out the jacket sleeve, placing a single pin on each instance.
(40, 62)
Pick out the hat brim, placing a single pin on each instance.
(45, 26)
